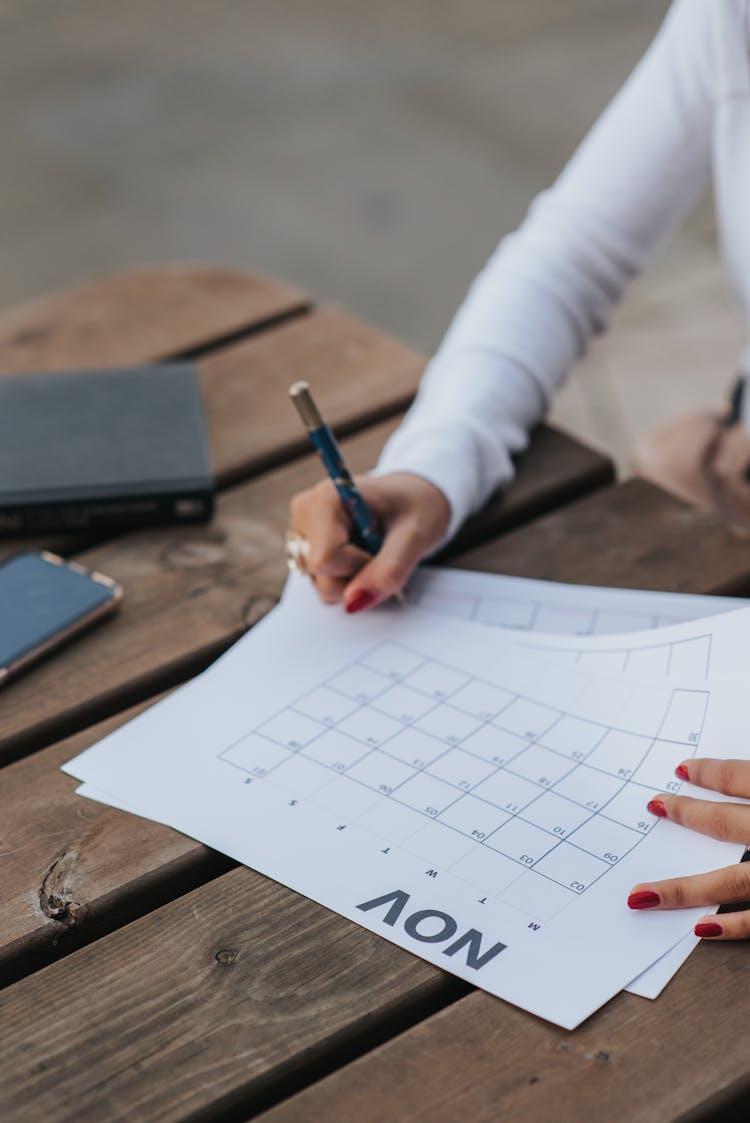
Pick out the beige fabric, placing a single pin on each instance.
(675, 456)
(702, 461)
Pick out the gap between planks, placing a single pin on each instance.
(301, 1076)
(238, 335)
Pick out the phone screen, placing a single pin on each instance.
(39, 599)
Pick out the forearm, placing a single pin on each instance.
(552, 285)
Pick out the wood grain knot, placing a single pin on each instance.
(195, 554)
(56, 898)
(227, 957)
(31, 335)
(693, 518)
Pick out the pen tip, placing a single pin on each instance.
(298, 388)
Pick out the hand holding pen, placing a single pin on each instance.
(360, 538)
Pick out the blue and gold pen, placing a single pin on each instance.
(364, 530)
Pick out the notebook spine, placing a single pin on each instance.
(101, 514)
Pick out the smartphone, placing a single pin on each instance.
(44, 602)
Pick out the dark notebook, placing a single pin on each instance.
(107, 448)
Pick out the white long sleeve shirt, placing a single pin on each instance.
(682, 116)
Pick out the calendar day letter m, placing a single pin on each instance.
(433, 926)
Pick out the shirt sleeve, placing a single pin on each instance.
(552, 284)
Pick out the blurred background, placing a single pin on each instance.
(372, 153)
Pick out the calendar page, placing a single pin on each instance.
(525, 604)
(528, 605)
(473, 797)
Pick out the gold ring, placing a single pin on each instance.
(297, 553)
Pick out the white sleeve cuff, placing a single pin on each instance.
(446, 462)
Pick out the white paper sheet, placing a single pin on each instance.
(556, 607)
(548, 606)
(469, 797)
(651, 982)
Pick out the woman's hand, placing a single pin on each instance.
(728, 821)
(413, 515)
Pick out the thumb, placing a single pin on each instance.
(389, 570)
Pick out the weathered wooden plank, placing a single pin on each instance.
(684, 1056)
(359, 376)
(141, 316)
(189, 592)
(201, 1005)
(69, 865)
(135, 317)
(633, 535)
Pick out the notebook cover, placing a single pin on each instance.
(107, 447)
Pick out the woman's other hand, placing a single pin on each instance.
(727, 821)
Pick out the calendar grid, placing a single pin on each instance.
(530, 605)
(529, 787)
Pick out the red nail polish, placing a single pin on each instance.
(708, 929)
(361, 599)
(643, 899)
(682, 772)
(656, 807)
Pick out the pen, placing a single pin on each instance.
(364, 529)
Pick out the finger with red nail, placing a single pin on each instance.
(723, 820)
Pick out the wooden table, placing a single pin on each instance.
(145, 977)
